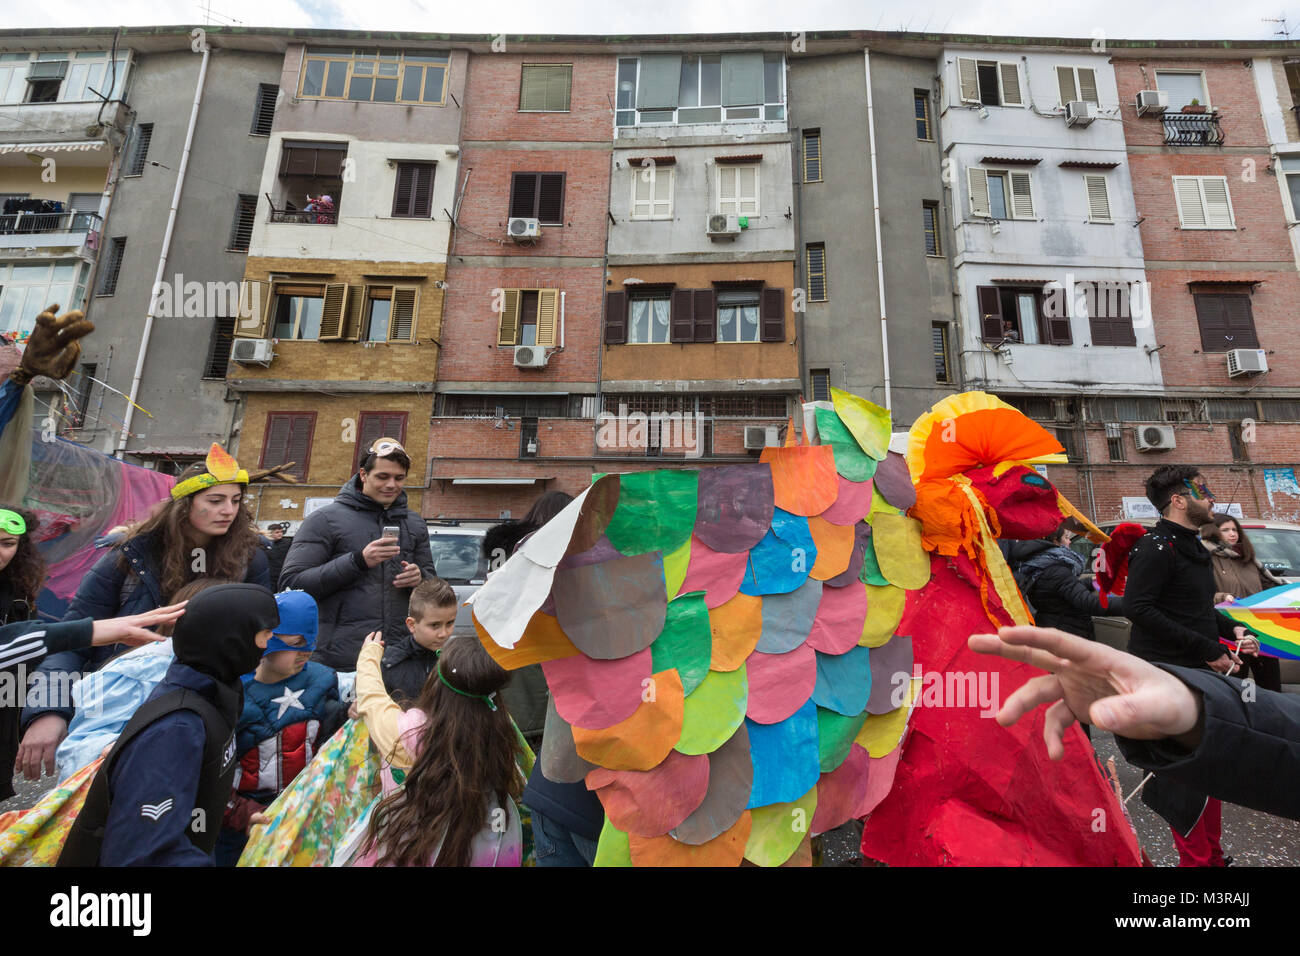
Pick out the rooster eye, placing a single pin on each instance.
(1037, 480)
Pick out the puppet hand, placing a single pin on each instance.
(53, 348)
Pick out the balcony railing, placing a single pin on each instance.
(302, 217)
(48, 222)
(1192, 129)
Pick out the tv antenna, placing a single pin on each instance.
(1282, 30)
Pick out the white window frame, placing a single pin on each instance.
(649, 300)
(1078, 87)
(1205, 87)
(1204, 207)
(1087, 197)
(1002, 95)
(1286, 187)
(1006, 175)
(738, 199)
(644, 210)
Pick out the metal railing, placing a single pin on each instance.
(1192, 129)
(47, 222)
(303, 217)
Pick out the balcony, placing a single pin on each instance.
(304, 217)
(47, 230)
(1192, 129)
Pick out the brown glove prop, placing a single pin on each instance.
(53, 348)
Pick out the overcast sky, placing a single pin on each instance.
(1148, 19)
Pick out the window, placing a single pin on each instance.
(1115, 442)
(819, 384)
(371, 426)
(812, 155)
(241, 230)
(1110, 319)
(223, 335)
(738, 315)
(66, 77)
(1094, 186)
(288, 438)
(921, 110)
(1182, 87)
(112, 265)
(1237, 443)
(528, 317)
(374, 76)
(545, 87)
(673, 88)
(1203, 202)
(488, 405)
(139, 149)
(1291, 172)
(309, 311)
(1076, 83)
(1016, 314)
(311, 182)
(264, 109)
(389, 313)
(413, 191)
(815, 259)
(648, 318)
(738, 189)
(26, 288)
(528, 438)
(930, 225)
(85, 383)
(939, 345)
(1000, 194)
(1069, 439)
(988, 82)
(1226, 322)
(652, 192)
(45, 79)
(538, 196)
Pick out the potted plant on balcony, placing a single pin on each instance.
(1195, 106)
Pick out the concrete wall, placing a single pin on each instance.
(188, 413)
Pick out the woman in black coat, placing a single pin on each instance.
(1048, 574)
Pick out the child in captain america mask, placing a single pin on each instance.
(291, 707)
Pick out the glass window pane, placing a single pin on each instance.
(286, 306)
(772, 79)
(1181, 87)
(388, 67)
(703, 114)
(412, 77)
(335, 79)
(727, 324)
(748, 323)
(625, 118)
(75, 88)
(997, 197)
(64, 271)
(662, 311)
(711, 81)
(626, 84)
(689, 93)
(1028, 318)
(639, 321)
(360, 88)
(1293, 184)
(774, 113)
(385, 91)
(379, 312)
(433, 81)
(363, 68)
(30, 273)
(312, 78)
(9, 309)
(309, 325)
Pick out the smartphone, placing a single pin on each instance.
(390, 531)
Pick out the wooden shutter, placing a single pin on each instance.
(1098, 198)
(406, 173)
(508, 321)
(264, 112)
(615, 318)
(1240, 322)
(254, 309)
(979, 191)
(550, 198)
(1088, 85)
(288, 438)
(1218, 208)
(1065, 84)
(1210, 316)
(354, 315)
(990, 306)
(523, 195)
(1056, 328)
(771, 316)
(1022, 195)
(401, 315)
(705, 316)
(299, 449)
(968, 79)
(548, 312)
(333, 311)
(681, 322)
(1010, 74)
(812, 155)
(1187, 191)
(372, 426)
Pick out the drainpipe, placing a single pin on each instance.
(162, 257)
(880, 252)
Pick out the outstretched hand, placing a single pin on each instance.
(131, 628)
(53, 348)
(1088, 681)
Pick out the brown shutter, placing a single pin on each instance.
(299, 450)
(705, 315)
(254, 309)
(401, 317)
(1240, 323)
(990, 306)
(358, 301)
(1213, 322)
(277, 440)
(550, 198)
(288, 438)
(523, 195)
(508, 321)
(369, 428)
(615, 318)
(406, 173)
(681, 326)
(333, 311)
(1056, 327)
(771, 315)
(422, 195)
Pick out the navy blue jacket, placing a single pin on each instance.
(109, 591)
(160, 764)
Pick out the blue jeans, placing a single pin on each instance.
(556, 845)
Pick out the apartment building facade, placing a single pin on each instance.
(337, 343)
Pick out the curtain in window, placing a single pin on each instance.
(661, 76)
(742, 79)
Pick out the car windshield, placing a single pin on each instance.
(458, 558)
(1278, 549)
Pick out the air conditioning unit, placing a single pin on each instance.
(530, 356)
(723, 226)
(1079, 113)
(1154, 437)
(252, 352)
(520, 229)
(761, 436)
(1152, 101)
(1246, 362)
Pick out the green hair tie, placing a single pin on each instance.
(486, 698)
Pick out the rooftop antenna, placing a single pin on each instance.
(208, 14)
(1282, 29)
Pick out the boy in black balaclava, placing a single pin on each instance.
(159, 796)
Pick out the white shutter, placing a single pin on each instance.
(1218, 209)
(1022, 195)
(1010, 74)
(1187, 191)
(1088, 85)
(642, 193)
(968, 79)
(747, 190)
(662, 207)
(1098, 198)
(979, 191)
(1065, 83)
(727, 189)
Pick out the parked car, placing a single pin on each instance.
(458, 560)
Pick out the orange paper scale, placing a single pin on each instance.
(726, 849)
(736, 625)
(804, 480)
(643, 740)
(834, 548)
(543, 640)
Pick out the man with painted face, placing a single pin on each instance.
(1170, 600)
(159, 796)
(346, 556)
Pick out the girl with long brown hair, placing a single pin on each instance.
(22, 573)
(1238, 574)
(450, 781)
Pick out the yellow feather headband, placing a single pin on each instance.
(222, 470)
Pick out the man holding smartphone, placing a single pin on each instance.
(360, 556)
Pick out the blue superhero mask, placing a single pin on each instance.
(298, 615)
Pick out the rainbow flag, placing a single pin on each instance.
(1273, 615)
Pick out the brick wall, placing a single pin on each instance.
(492, 100)
(1229, 85)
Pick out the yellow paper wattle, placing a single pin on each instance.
(222, 470)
